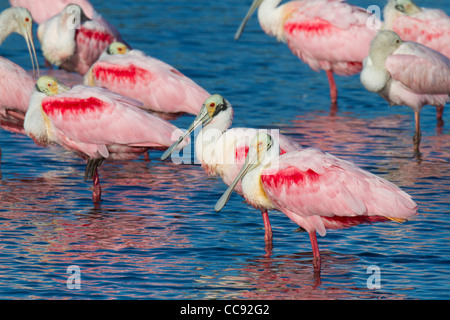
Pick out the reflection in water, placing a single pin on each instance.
(156, 235)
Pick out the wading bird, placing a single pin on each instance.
(159, 86)
(328, 35)
(221, 151)
(407, 73)
(72, 41)
(430, 27)
(16, 84)
(95, 123)
(316, 190)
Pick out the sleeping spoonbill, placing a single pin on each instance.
(430, 27)
(95, 123)
(316, 190)
(159, 86)
(407, 73)
(16, 84)
(221, 151)
(73, 41)
(328, 35)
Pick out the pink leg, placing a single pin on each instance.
(97, 191)
(333, 88)
(418, 134)
(439, 114)
(316, 252)
(268, 237)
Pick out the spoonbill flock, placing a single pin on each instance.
(118, 112)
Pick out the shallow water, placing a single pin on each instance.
(156, 234)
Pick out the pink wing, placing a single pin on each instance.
(313, 183)
(419, 68)
(92, 39)
(430, 27)
(15, 98)
(329, 35)
(90, 119)
(158, 85)
(42, 10)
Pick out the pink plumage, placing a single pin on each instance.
(41, 10)
(407, 73)
(15, 98)
(430, 27)
(320, 191)
(95, 123)
(91, 120)
(328, 35)
(316, 190)
(159, 86)
(75, 47)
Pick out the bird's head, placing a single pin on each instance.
(50, 86)
(262, 148)
(20, 21)
(211, 108)
(406, 7)
(117, 48)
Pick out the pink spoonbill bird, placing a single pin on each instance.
(16, 84)
(407, 73)
(430, 27)
(316, 190)
(328, 35)
(72, 41)
(42, 10)
(222, 152)
(159, 86)
(95, 123)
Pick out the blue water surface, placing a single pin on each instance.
(156, 235)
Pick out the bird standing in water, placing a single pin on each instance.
(328, 35)
(407, 73)
(222, 151)
(316, 190)
(95, 123)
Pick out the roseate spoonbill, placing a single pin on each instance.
(407, 73)
(328, 35)
(72, 41)
(159, 86)
(15, 82)
(430, 27)
(221, 151)
(316, 190)
(94, 122)
(42, 10)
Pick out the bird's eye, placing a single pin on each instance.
(27, 19)
(212, 105)
(397, 41)
(49, 84)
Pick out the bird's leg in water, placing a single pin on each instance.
(333, 88)
(439, 114)
(97, 190)
(268, 236)
(316, 252)
(417, 135)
